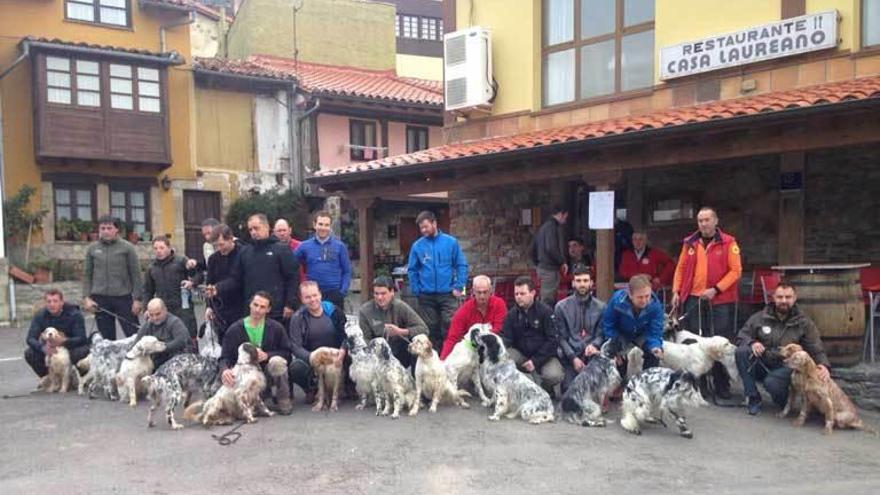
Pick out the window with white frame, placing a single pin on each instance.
(58, 81)
(149, 98)
(88, 83)
(429, 28)
(397, 25)
(124, 79)
(110, 12)
(594, 48)
(870, 23)
(67, 77)
(131, 206)
(410, 27)
(121, 87)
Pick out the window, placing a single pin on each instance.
(131, 206)
(66, 77)
(362, 140)
(429, 28)
(595, 48)
(870, 22)
(110, 12)
(122, 88)
(410, 26)
(416, 138)
(73, 204)
(397, 26)
(673, 210)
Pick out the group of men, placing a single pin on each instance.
(255, 295)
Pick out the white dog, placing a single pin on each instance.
(396, 386)
(431, 377)
(136, 365)
(363, 364)
(515, 394)
(463, 363)
(58, 363)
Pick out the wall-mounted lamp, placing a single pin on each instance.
(165, 183)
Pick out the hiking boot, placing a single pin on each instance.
(754, 406)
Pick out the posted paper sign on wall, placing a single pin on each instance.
(601, 210)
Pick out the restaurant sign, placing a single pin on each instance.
(787, 37)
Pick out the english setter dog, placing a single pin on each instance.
(514, 393)
(58, 363)
(582, 402)
(431, 377)
(323, 361)
(239, 401)
(136, 365)
(103, 362)
(174, 382)
(396, 386)
(463, 363)
(656, 394)
(363, 364)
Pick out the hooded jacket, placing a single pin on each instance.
(270, 266)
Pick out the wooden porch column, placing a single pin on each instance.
(604, 181)
(790, 243)
(365, 207)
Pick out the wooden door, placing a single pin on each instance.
(198, 206)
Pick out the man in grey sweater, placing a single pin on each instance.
(389, 317)
(167, 328)
(112, 280)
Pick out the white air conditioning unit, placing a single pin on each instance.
(467, 60)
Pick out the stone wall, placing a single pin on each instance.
(841, 219)
(861, 383)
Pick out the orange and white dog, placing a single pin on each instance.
(323, 361)
(57, 361)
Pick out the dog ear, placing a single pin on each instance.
(673, 377)
(492, 347)
(385, 351)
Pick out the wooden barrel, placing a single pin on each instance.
(833, 300)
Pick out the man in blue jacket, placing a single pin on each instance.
(62, 316)
(437, 275)
(325, 259)
(634, 316)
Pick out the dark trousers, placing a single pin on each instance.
(437, 311)
(37, 360)
(713, 319)
(776, 379)
(335, 297)
(187, 316)
(120, 305)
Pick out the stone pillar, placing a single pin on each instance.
(604, 181)
(791, 210)
(366, 208)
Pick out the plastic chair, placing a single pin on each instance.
(769, 283)
(870, 280)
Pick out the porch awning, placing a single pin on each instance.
(736, 113)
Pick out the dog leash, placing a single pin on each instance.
(230, 437)
(18, 396)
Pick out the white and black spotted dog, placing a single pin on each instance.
(103, 362)
(582, 402)
(658, 394)
(463, 363)
(175, 381)
(363, 364)
(137, 364)
(396, 387)
(514, 393)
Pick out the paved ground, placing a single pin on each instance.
(68, 444)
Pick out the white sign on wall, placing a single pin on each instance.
(601, 210)
(787, 37)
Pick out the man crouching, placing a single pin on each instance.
(273, 350)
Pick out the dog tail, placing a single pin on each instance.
(194, 411)
(868, 429)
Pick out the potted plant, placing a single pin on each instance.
(64, 229)
(83, 229)
(20, 222)
(42, 270)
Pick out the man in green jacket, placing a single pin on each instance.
(389, 317)
(112, 280)
(757, 357)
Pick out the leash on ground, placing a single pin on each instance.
(18, 396)
(230, 437)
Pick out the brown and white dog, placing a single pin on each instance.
(825, 396)
(57, 362)
(329, 374)
(136, 365)
(241, 400)
(431, 377)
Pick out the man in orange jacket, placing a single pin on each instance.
(706, 283)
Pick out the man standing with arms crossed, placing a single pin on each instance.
(437, 274)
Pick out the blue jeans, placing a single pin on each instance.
(776, 380)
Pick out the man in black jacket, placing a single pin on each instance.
(267, 265)
(549, 254)
(316, 324)
(530, 334)
(273, 350)
(168, 278)
(225, 302)
(64, 317)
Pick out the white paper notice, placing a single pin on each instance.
(601, 210)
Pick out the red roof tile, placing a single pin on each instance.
(335, 80)
(854, 89)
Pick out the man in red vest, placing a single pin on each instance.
(647, 260)
(706, 284)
